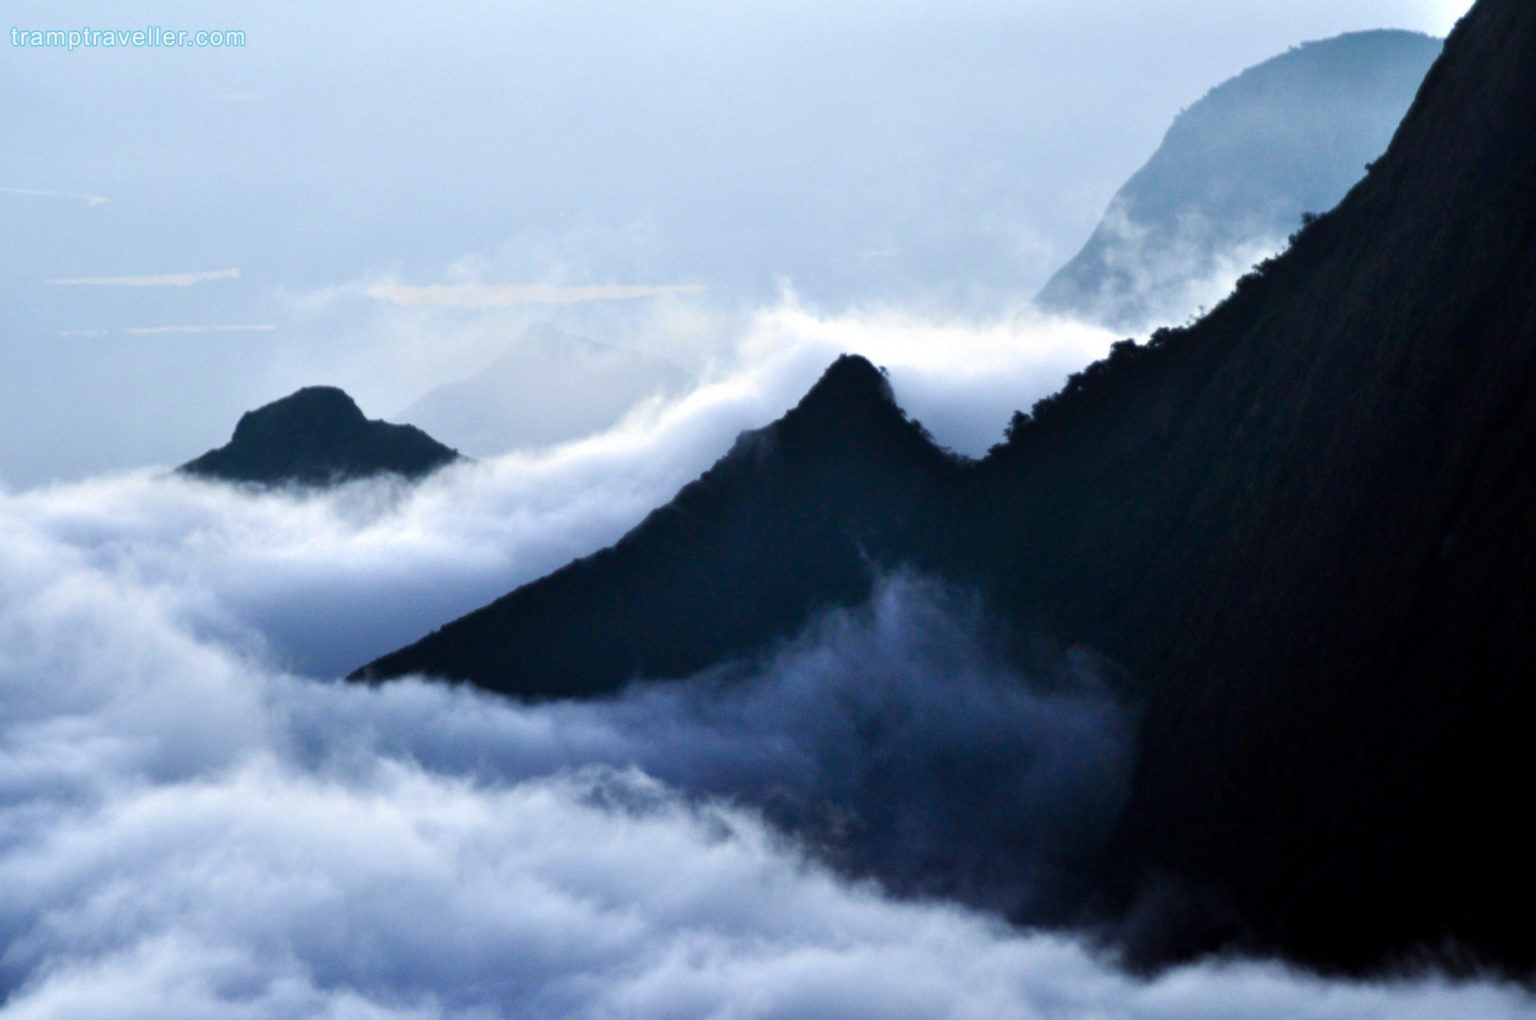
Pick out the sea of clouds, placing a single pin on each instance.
(324, 582)
(198, 819)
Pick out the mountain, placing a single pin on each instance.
(741, 556)
(1302, 526)
(519, 399)
(1234, 175)
(318, 436)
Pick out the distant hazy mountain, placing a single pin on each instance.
(1303, 526)
(523, 398)
(1234, 175)
(318, 436)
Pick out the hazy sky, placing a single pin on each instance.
(381, 195)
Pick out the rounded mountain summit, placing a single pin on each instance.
(318, 436)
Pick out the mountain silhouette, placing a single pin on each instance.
(1236, 172)
(777, 529)
(318, 436)
(1302, 526)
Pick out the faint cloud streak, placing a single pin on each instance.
(252, 327)
(91, 200)
(480, 295)
(256, 327)
(148, 280)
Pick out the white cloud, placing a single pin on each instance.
(485, 295)
(183, 833)
(148, 280)
(962, 378)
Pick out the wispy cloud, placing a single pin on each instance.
(91, 200)
(243, 327)
(254, 327)
(482, 295)
(149, 279)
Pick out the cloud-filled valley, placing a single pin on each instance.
(187, 832)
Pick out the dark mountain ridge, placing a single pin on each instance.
(1304, 526)
(318, 436)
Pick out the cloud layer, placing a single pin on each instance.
(184, 832)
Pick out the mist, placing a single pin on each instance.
(1152, 282)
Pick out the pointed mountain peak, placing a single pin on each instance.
(851, 382)
(851, 400)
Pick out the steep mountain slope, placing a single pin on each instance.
(783, 525)
(1235, 173)
(1304, 526)
(522, 397)
(318, 436)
